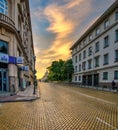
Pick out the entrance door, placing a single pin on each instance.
(84, 80)
(3, 80)
(90, 80)
(96, 79)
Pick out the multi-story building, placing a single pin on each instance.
(95, 53)
(17, 60)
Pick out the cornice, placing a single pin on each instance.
(106, 14)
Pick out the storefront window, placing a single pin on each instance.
(3, 47)
(3, 6)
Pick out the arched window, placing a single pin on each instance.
(3, 6)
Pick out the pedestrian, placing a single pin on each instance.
(113, 84)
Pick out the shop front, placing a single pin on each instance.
(10, 78)
(3, 79)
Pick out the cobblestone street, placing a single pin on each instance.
(62, 108)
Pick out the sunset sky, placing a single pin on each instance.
(57, 24)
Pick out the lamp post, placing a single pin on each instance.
(34, 58)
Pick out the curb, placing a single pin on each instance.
(20, 100)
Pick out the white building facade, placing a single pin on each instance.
(95, 54)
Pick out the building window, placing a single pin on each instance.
(116, 35)
(97, 47)
(117, 15)
(97, 31)
(105, 75)
(79, 67)
(89, 64)
(116, 55)
(79, 78)
(84, 65)
(3, 6)
(106, 24)
(90, 51)
(84, 43)
(106, 59)
(75, 78)
(106, 41)
(3, 47)
(116, 74)
(75, 68)
(80, 57)
(97, 61)
(84, 54)
(90, 37)
(75, 59)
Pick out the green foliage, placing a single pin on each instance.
(60, 70)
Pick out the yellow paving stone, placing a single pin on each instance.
(62, 108)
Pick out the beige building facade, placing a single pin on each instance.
(17, 58)
(95, 54)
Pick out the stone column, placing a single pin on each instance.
(13, 79)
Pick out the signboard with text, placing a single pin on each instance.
(24, 68)
(12, 60)
(4, 58)
(19, 60)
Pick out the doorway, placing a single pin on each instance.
(96, 79)
(84, 79)
(3, 80)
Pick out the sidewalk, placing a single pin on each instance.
(99, 88)
(26, 95)
(91, 87)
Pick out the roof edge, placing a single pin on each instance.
(98, 21)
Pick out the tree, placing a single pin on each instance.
(68, 70)
(61, 70)
(55, 70)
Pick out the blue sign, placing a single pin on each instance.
(19, 60)
(12, 60)
(24, 68)
(4, 58)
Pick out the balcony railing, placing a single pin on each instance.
(6, 19)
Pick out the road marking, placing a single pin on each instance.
(104, 122)
(99, 99)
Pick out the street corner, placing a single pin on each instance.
(17, 98)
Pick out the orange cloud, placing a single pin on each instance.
(72, 4)
(62, 24)
(59, 23)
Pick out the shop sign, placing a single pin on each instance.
(24, 68)
(19, 60)
(12, 60)
(4, 58)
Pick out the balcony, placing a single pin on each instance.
(6, 21)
